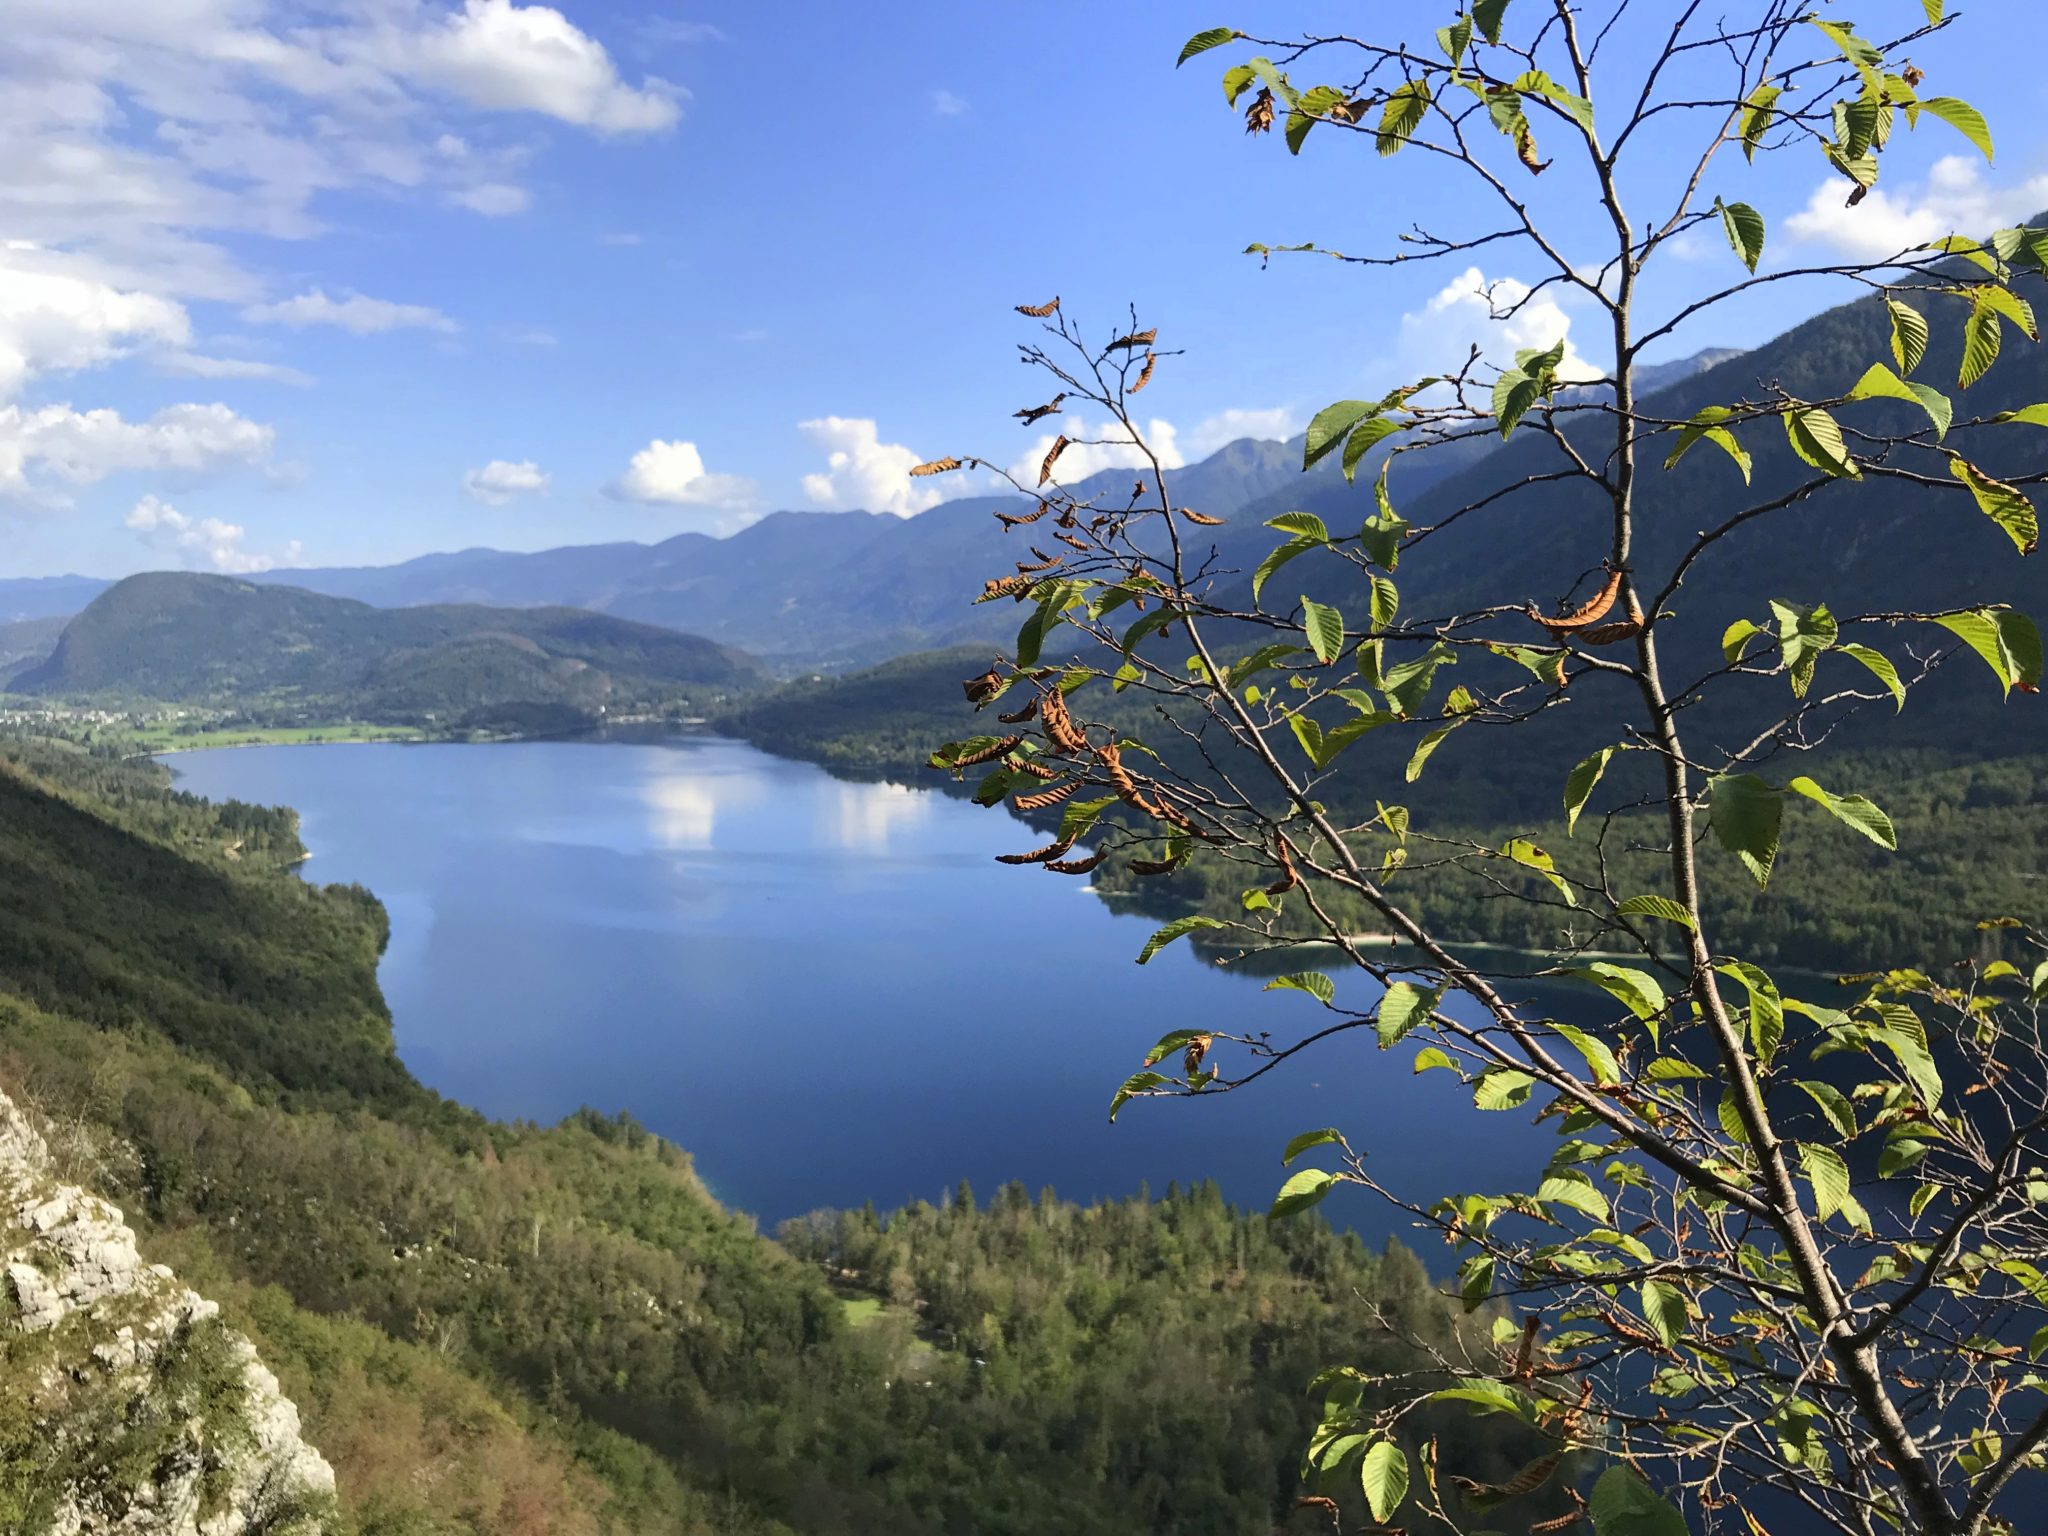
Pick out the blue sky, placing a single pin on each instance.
(288, 282)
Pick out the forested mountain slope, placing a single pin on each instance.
(186, 637)
(504, 1329)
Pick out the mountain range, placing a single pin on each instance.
(821, 590)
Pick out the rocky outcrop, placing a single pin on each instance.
(126, 1406)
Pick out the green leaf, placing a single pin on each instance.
(1136, 1084)
(1736, 637)
(1427, 745)
(1757, 113)
(1403, 1007)
(1269, 565)
(1386, 601)
(1766, 1007)
(1178, 928)
(1835, 1105)
(1307, 112)
(1546, 665)
(1431, 1057)
(1962, 117)
(1879, 382)
(1332, 424)
(1535, 82)
(1803, 633)
(1656, 906)
(1314, 983)
(1745, 814)
(1487, 13)
(1817, 439)
(1202, 42)
(1745, 230)
(1172, 1044)
(1302, 525)
(1881, 668)
(1636, 990)
(1513, 393)
(1385, 1479)
(1502, 1088)
(1237, 80)
(1664, 1310)
(2000, 502)
(1327, 1136)
(1324, 626)
(1304, 1190)
(1600, 1059)
(1828, 1175)
(1362, 441)
(1455, 38)
(1080, 815)
(2008, 642)
(1909, 335)
(1624, 1505)
(1525, 853)
(1706, 423)
(1853, 810)
(2029, 415)
(1578, 785)
(1406, 106)
(1981, 341)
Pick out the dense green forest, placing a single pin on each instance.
(1972, 836)
(509, 1328)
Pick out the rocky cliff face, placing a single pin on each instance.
(126, 1406)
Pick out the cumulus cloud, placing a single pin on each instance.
(501, 479)
(1091, 450)
(82, 447)
(673, 474)
(145, 133)
(1278, 423)
(1955, 199)
(352, 312)
(493, 199)
(506, 57)
(946, 104)
(1470, 311)
(863, 471)
(56, 316)
(205, 542)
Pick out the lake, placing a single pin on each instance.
(826, 990)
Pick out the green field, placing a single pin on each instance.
(186, 738)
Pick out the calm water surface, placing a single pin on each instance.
(826, 990)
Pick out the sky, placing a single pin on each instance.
(320, 282)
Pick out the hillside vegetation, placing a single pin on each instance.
(508, 1329)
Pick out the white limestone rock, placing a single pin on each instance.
(150, 1418)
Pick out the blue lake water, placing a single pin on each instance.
(826, 990)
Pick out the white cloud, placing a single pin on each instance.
(946, 104)
(1470, 311)
(85, 446)
(56, 315)
(145, 132)
(1954, 200)
(673, 474)
(493, 199)
(501, 479)
(206, 541)
(197, 365)
(863, 471)
(1278, 423)
(1091, 450)
(506, 57)
(352, 312)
